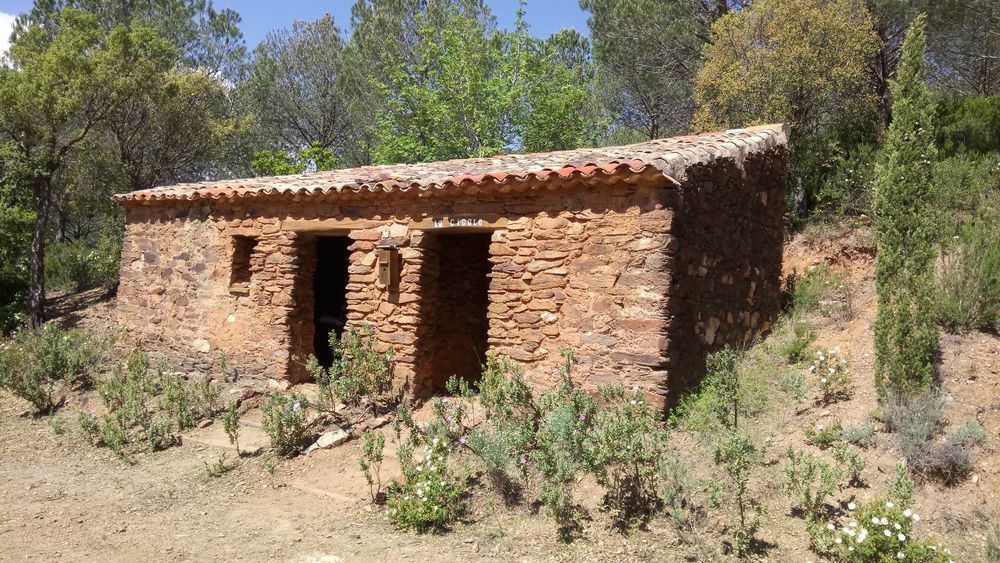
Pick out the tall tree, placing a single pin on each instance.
(800, 62)
(296, 93)
(905, 329)
(964, 44)
(648, 52)
(62, 87)
(205, 37)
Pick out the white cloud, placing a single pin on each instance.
(6, 27)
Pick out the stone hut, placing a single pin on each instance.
(640, 258)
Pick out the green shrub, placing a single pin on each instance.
(566, 417)
(847, 189)
(808, 290)
(676, 487)
(737, 454)
(509, 430)
(969, 276)
(37, 364)
(809, 482)
(371, 462)
(795, 349)
(428, 498)
(77, 265)
(16, 227)
(231, 425)
(830, 370)
(823, 436)
(794, 383)
(993, 543)
(971, 433)
(219, 467)
(969, 123)
(862, 435)
(850, 462)
(285, 421)
(132, 418)
(359, 373)
(623, 447)
(731, 389)
(880, 531)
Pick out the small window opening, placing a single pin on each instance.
(243, 248)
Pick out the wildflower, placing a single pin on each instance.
(434, 442)
(819, 427)
(831, 527)
(897, 526)
(885, 521)
(851, 548)
(887, 533)
(463, 440)
(583, 416)
(907, 512)
(418, 468)
(812, 368)
(822, 380)
(448, 417)
(632, 402)
(901, 536)
(900, 555)
(889, 504)
(851, 506)
(296, 406)
(850, 532)
(524, 460)
(838, 540)
(916, 517)
(853, 524)
(875, 520)
(833, 370)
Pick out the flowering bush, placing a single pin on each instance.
(428, 496)
(809, 482)
(879, 531)
(830, 368)
(284, 421)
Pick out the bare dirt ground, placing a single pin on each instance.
(61, 498)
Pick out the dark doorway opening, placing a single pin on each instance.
(330, 294)
(454, 329)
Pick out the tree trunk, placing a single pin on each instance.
(36, 290)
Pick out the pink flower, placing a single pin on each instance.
(524, 460)
(447, 417)
(463, 440)
(583, 416)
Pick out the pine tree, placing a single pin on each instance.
(906, 337)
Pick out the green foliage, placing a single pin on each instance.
(795, 349)
(15, 239)
(278, 163)
(968, 123)
(285, 421)
(371, 462)
(880, 531)
(850, 462)
(970, 433)
(623, 449)
(428, 498)
(219, 467)
(36, 364)
(823, 436)
(905, 229)
(900, 488)
(862, 435)
(847, 188)
(677, 485)
(145, 406)
(737, 454)
(809, 482)
(731, 389)
(794, 383)
(993, 543)
(808, 290)
(359, 374)
(969, 276)
(231, 425)
(77, 265)
(566, 417)
(830, 369)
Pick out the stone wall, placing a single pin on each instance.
(628, 276)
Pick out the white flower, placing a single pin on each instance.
(851, 506)
(897, 526)
(418, 469)
(916, 517)
(831, 527)
(833, 370)
(850, 532)
(853, 523)
(434, 441)
(838, 540)
(822, 380)
(887, 533)
(889, 504)
(812, 369)
(884, 521)
(850, 548)
(900, 555)
(907, 512)
(902, 537)
(819, 427)
(632, 402)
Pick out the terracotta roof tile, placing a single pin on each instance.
(667, 157)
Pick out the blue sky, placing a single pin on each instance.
(260, 16)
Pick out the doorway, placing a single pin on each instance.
(329, 294)
(454, 329)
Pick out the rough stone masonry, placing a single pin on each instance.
(640, 258)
